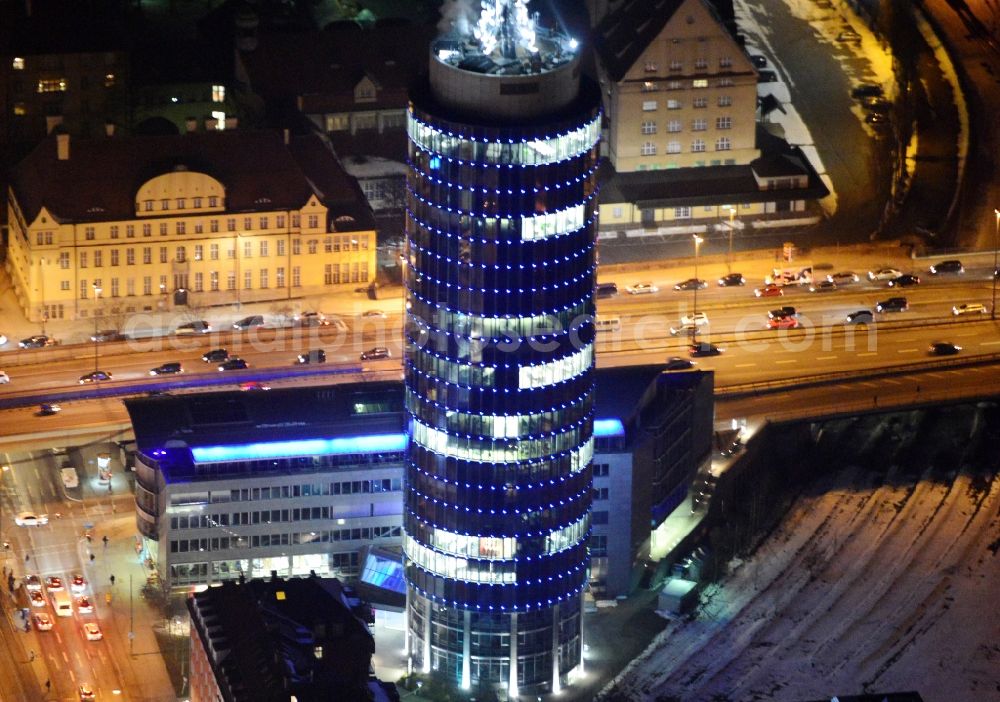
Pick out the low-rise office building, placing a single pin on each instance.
(232, 484)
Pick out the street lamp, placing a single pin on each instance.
(697, 284)
(729, 262)
(996, 238)
(97, 301)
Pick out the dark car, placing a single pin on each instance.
(94, 377)
(197, 327)
(786, 311)
(676, 363)
(215, 356)
(877, 105)
(823, 286)
(767, 77)
(254, 320)
(732, 279)
(877, 119)
(893, 304)
(47, 409)
(108, 335)
(35, 342)
(233, 363)
(703, 348)
(375, 354)
(606, 290)
(951, 266)
(166, 369)
(691, 284)
(943, 348)
(861, 317)
(866, 90)
(313, 356)
(904, 281)
(758, 61)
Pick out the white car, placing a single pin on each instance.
(3, 339)
(84, 605)
(698, 319)
(4, 378)
(30, 519)
(78, 583)
(884, 274)
(641, 289)
(43, 622)
(92, 631)
(843, 278)
(968, 308)
(32, 583)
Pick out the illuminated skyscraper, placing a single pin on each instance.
(500, 260)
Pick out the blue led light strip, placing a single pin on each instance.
(371, 443)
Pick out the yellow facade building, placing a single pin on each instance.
(126, 225)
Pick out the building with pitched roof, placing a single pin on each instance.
(199, 219)
(685, 150)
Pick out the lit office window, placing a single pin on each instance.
(218, 94)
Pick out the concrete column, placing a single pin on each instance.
(512, 684)
(426, 664)
(466, 649)
(555, 649)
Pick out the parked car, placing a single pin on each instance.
(732, 279)
(904, 281)
(823, 286)
(866, 90)
(782, 323)
(893, 304)
(167, 369)
(861, 317)
(35, 342)
(691, 284)
(969, 308)
(197, 327)
(641, 289)
(767, 77)
(254, 320)
(949, 266)
(30, 519)
(313, 356)
(943, 348)
(375, 354)
(676, 363)
(769, 290)
(884, 274)
(704, 348)
(97, 376)
(215, 356)
(843, 278)
(234, 363)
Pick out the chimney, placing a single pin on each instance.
(191, 124)
(51, 122)
(109, 128)
(62, 147)
(286, 137)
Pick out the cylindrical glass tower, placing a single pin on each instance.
(500, 261)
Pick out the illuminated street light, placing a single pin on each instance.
(97, 301)
(697, 284)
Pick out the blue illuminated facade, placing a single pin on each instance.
(499, 278)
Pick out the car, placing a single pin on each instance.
(641, 289)
(37, 598)
(167, 369)
(769, 290)
(92, 631)
(4, 378)
(692, 284)
(608, 289)
(904, 281)
(861, 317)
(676, 363)
(893, 304)
(3, 339)
(786, 311)
(703, 348)
(47, 409)
(32, 583)
(943, 348)
(949, 266)
(31, 519)
(866, 90)
(35, 342)
(849, 36)
(43, 622)
(234, 363)
(254, 385)
(375, 354)
(53, 584)
(732, 279)
(884, 274)
(215, 356)
(310, 319)
(97, 376)
(86, 693)
(78, 583)
(877, 119)
(758, 61)
(84, 605)
(108, 335)
(876, 104)
(199, 326)
(373, 314)
(782, 323)
(254, 320)
(823, 286)
(969, 308)
(843, 277)
(767, 77)
(313, 356)
(698, 319)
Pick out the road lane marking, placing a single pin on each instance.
(890, 381)
(826, 358)
(934, 375)
(867, 385)
(965, 334)
(745, 365)
(65, 657)
(989, 343)
(59, 638)
(790, 360)
(906, 350)
(867, 353)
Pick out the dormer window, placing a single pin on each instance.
(218, 93)
(650, 67)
